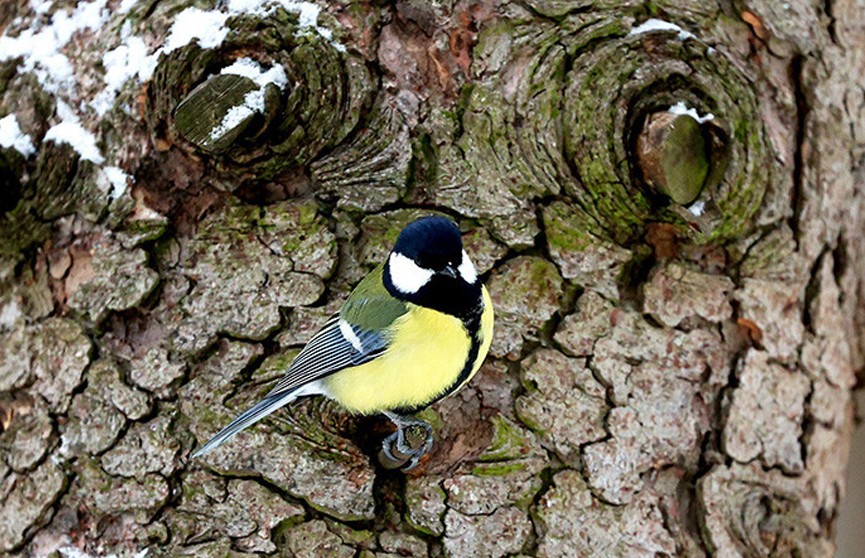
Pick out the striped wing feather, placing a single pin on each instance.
(368, 312)
(328, 352)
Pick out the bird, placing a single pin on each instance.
(416, 329)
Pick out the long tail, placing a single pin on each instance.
(260, 410)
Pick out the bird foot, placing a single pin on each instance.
(404, 448)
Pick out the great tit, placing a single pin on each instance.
(413, 331)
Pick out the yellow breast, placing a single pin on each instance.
(427, 352)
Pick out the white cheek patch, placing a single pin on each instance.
(467, 270)
(407, 276)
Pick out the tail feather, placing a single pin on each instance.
(261, 409)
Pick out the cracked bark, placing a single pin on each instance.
(665, 380)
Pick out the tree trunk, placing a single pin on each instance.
(667, 200)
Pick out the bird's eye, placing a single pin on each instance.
(433, 263)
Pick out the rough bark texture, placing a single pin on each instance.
(665, 380)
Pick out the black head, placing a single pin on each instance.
(429, 267)
(431, 242)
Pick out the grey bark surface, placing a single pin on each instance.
(667, 378)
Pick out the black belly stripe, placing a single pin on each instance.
(473, 327)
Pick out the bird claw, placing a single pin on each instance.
(404, 448)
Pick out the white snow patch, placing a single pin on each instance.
(40, 45)
(118, 179)
(651, 25)
(683, 109)
(207, 26)
(9, 314)
(121, 64)
(65, 112)
(697, 208)
(252, 102)
(247, 67)
(82, 141)
(87, 15)
(125, 6)
(73, 552)
(125, 61)
(12, 136)
(41, 6)
(54, 73)
(307, 13)
(40, 49)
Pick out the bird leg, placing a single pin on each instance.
(412, 440)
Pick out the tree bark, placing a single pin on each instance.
(666, 199)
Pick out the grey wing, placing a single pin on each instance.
(336, 346)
